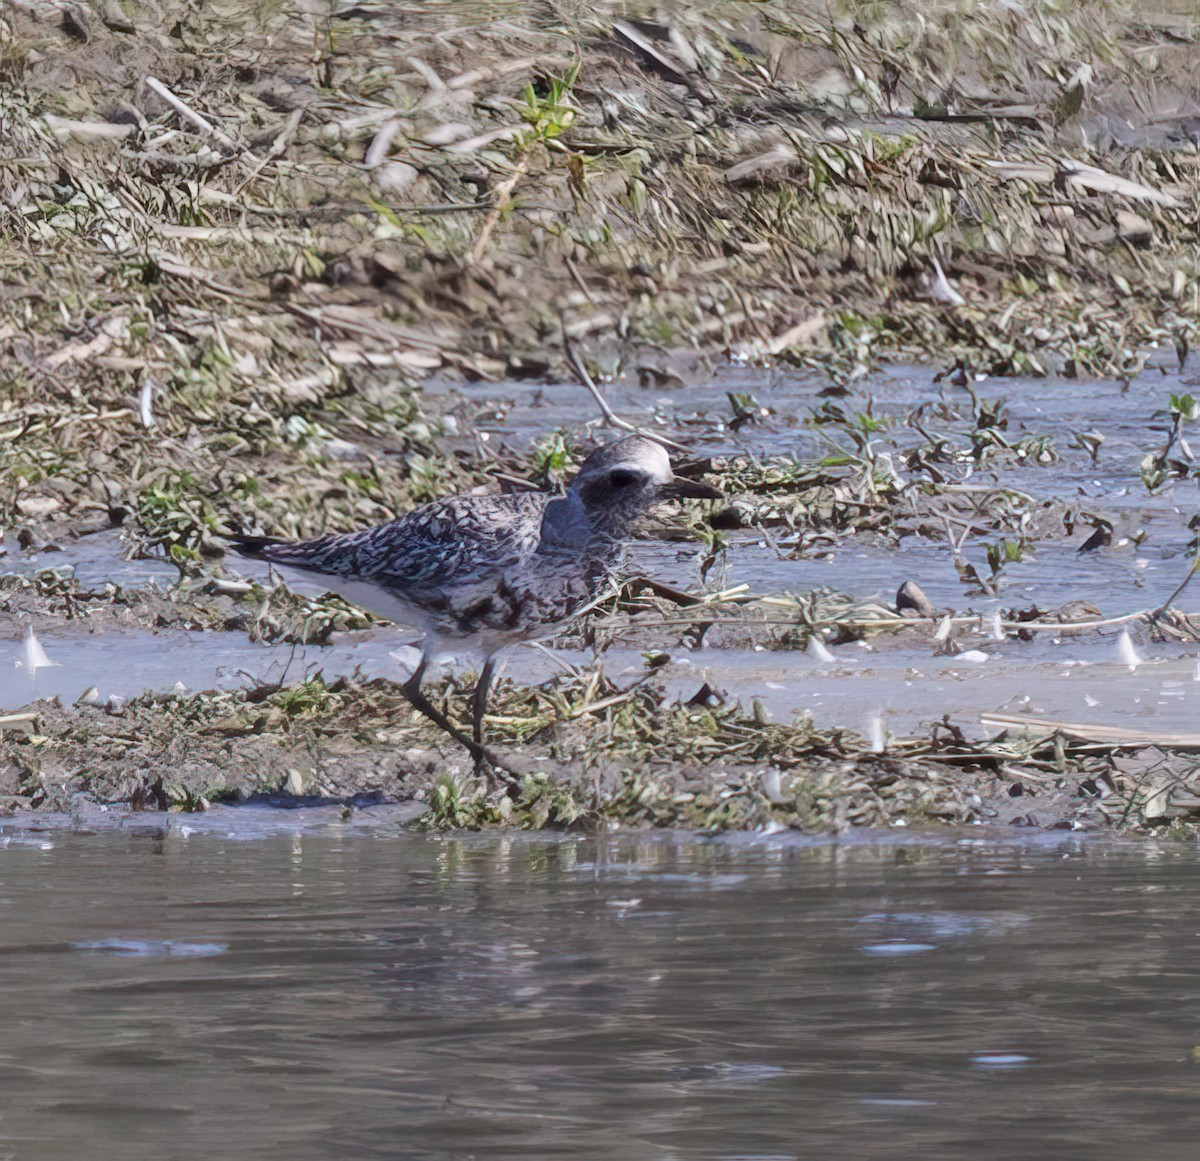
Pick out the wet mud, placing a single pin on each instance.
(749, 658)
(916, 292)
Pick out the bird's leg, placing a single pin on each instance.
(417, 699)
(493, 666)
(480, 701)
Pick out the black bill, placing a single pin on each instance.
(681, 489)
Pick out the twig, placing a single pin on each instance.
(448, 208)
(968, 619)
(1070, 626)
(596, 706)
(975, 620)
(987, 490)
(278, 148)
(610, 416)
(956, 545)
(573, 270)
(565, 666)
(503, 198)
(190, 114)
(169, 264)
(1183, 584)
(1107, 736)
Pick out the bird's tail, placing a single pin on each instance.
(311, 555)
(254, 547)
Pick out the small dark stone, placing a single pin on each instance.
(75, 25)
(728, 519)
(1100, 538)
(910, 596)
(706, 697)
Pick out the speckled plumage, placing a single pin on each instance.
(489, 568)
(487, 571)
(479, 567)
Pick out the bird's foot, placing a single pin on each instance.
(494, 771)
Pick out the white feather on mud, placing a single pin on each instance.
(33, 655)
(1126, 653)
(937, 287)
(876, 733)
(819, 651)
(146, 403)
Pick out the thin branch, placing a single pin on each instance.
(502, 202)
(189, 114)
(1163, 609)
(610, 416)
(573, 270)
(975, 621)
(1108, 736)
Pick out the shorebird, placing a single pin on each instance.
(487, 571)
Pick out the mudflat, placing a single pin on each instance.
(916, 287)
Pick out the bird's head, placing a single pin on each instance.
(618, 482)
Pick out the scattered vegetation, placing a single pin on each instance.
(254, 262)
(236, 240)
(616, 757)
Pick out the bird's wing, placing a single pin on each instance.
(443, 542)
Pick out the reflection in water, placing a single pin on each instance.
(326, 995)
(150, 947)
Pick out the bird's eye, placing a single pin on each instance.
(622, 479)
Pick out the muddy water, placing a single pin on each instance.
(333, 993)
(1080, 680)
(1068, 679)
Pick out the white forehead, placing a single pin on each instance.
(633, 452)
(651, 457)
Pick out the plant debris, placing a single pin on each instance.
(238, 242)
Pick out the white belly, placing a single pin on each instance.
(365, 595)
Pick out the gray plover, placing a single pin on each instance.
(488, 571)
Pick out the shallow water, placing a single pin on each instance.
(1077, 680)
(906, 688)
(1131, 417)
(339, 992)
